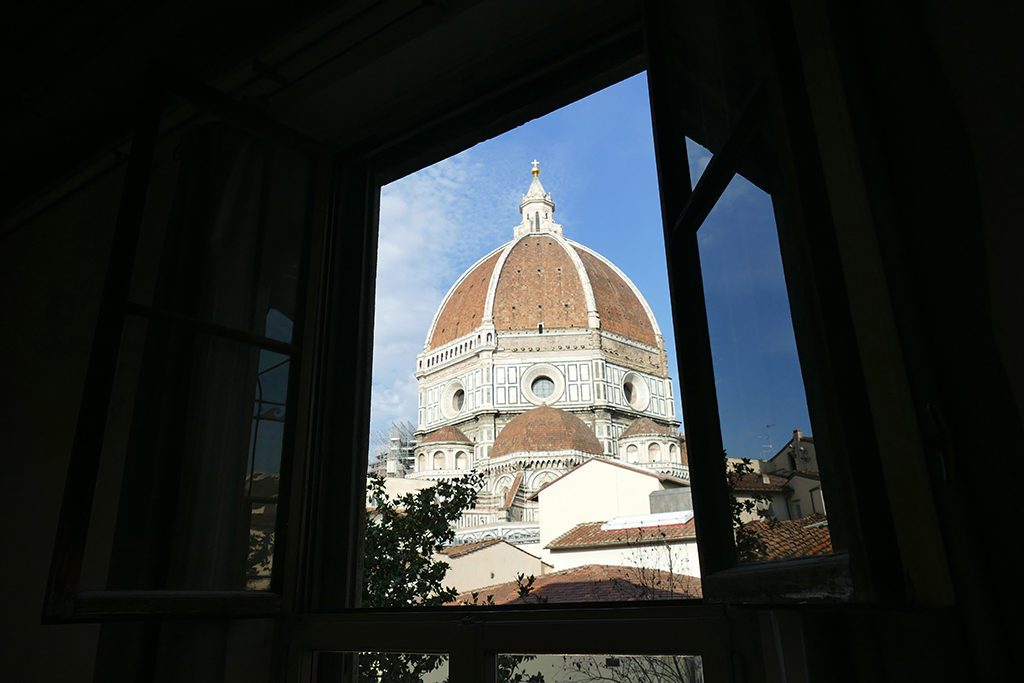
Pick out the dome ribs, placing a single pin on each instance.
(462, 312)
(537, 281)
(620, 309)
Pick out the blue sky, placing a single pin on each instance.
(597, 161)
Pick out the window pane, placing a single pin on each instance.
(518, 668)
(381, 667)
(779, 509)
(223, 230)
(194, 443)
(524, 413)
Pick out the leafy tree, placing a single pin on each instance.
(399, 570)
(750, 547)
(632, 669)
(404, 534)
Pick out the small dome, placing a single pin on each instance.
(446, 434)
(645, 426)
(546, 429)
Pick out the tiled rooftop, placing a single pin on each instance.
(446, 434)
(757, 482)
(794, 538)
(539, 284)
(620, 309)
(454, 551)
(545, 429)
(594, 583)
(464, 309)
(645, 426)
(590, 535)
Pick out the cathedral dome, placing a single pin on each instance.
(540, 282)
(447, 434)
(645, 426)
(545, 429)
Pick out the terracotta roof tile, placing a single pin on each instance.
(620, 309)
(446, 434)
(464, 308)
(590, 535)
(594, 583)
(645, 426)
(545, 429)
(757, 482)
(793, 538)
(539, 284)
(467, 548)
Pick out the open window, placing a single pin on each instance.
(177, 493)
(288, 388)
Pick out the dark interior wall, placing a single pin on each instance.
(51, 274)
(979, 53)
(941, 87)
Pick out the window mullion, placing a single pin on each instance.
(693, 346)
(150, 313)
(86, 452)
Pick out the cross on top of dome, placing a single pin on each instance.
(537, 208)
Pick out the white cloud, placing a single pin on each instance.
(433, 225)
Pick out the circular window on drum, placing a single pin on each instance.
(543, 386)
(635, 391)
(453, 399)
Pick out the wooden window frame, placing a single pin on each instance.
(473, 636)
(66, 601)
(317, 581)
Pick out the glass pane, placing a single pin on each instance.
(698, 157)
(778, 505)
(381, 667)
(518, 668)
(194, 445)
(524, 421)
(224, 228)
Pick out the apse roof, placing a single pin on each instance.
(545, 429)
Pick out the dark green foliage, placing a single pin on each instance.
(749, 545)
(402, 536)
(399, 569)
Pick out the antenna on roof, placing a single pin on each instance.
(767, 449)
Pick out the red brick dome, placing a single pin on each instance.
(645, 426)
(543, 279)
(446, 434)
(545, 429)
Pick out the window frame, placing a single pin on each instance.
(467, 634)
(334, 377)
(65, 601)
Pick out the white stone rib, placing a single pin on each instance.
(444, 302)
(593, 316)
(643, 301)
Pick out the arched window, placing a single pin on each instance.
(673, 453)
(439, 460)
(654, 452)
(421, 463)
(488, 337)
(631, 453)
(461, 460)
